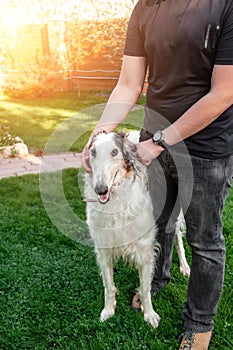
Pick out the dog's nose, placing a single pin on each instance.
(101, 189)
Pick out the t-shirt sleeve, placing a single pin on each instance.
(134, 43)
(224, 53)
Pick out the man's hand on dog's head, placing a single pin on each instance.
(85, 158)
(147, 151)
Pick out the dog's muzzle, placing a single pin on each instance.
(103, 193)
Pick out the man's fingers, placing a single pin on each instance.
(85, 160)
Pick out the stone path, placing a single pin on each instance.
(35, 165)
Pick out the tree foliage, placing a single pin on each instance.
(91, 29)
(42, 11)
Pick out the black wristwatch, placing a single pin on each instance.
(158, 139)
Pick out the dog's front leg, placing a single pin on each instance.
(104, 258)
(150, 316)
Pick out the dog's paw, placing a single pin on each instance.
(105, 314)
(185, 269)
(152, 318)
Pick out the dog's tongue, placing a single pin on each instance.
(103, 198)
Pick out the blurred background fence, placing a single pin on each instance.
(64, 52)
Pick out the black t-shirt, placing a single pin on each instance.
(182, 41)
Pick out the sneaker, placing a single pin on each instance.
(195, 341)
(136, 305)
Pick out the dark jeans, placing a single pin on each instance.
(200, 190)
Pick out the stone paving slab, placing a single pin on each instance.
(35, 165)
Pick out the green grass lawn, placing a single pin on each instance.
(35, 120)
(51, 293)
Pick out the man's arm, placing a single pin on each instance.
(207, 109)
(126, 92)
(197, 117)
(122, 98)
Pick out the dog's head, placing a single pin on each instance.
(112, 159)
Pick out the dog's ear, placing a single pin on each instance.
(121, 134)
(119, 138)
(128, 148)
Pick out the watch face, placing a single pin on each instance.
(157, 136)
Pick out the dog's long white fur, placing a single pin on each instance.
(180, 225)
(124, 225)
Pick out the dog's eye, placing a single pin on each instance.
(93, 152)
(114, 152)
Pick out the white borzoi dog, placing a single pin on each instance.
(120, 217)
